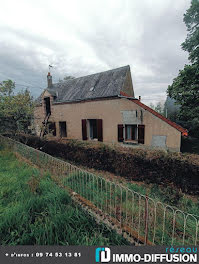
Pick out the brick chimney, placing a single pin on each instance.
(49, 80)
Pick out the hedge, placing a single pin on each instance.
(174, 169)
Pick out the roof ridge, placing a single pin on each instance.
(126, 66)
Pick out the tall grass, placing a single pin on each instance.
(35, 211)
(128, 209)
(168, 195)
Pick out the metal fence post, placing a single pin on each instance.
(146, 218)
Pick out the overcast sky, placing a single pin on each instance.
(81, 37)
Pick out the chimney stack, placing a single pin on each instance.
(139, 98)
(49, 80)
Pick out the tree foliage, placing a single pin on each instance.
(66, 78)
(191, 19)
(185, 90)
(16, 110)
(159, 107)
(185, 87)
(171, 109)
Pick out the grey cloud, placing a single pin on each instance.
(157, 49)
(129, 32)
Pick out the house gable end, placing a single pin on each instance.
(173, 124)
(128, 85)
(46, 94)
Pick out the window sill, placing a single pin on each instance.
(131, 142)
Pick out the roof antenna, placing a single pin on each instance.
(49, 66)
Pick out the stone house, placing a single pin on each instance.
(103, 107)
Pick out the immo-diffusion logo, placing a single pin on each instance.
(102, 255)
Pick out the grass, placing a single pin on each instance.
(169, 196)
(126, 207)
(109, 198)
(35, 211)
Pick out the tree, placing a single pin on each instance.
(185, 90)
(171, 109)
(7, 88)
(185, 87)
(66, 78)
(191, 19)
(158, 107)
(152, 106)
(16, 110)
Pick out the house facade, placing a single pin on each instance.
(102, 107)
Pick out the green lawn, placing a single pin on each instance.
(35, 211)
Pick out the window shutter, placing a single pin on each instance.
(141, 130)
(120, 133)
(84, 129)
(99, 130)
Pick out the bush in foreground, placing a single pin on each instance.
(169, 169)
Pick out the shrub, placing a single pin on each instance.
(176, 170)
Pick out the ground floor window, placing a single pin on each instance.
(131, 132)
(62, 129)
(52, 128)
(92, 129)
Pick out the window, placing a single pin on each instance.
(92, 129)
(47, 105)
(62, 129)
(128, 132)
(52, 128)
(131, 132)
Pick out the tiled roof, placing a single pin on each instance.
(98, 85)
(173, 124)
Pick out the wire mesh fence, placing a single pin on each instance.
(147, 220)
